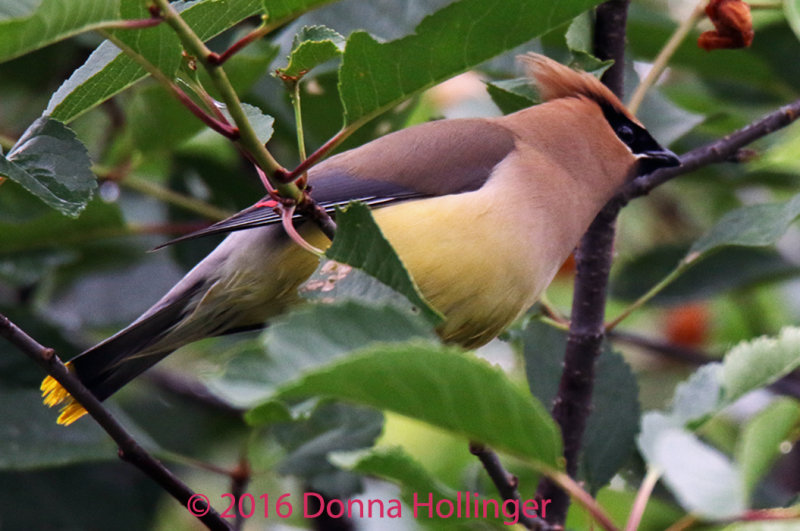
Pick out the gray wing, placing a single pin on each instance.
(436, 158)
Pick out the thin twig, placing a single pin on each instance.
(262, 30)
(222, 128)
(764, 515)
(684, 523)
(644, 299)
(240, 478)
(320, 153)
(667, 349)
(550, 311)
(166, 195)
(572, 405)
(129, 449)
(582, 498)
(663, 57)
(720, 150)
(248, 138)
(506, 483)
(139, 23)
(247, 135)
(298, 122)
(640, 503)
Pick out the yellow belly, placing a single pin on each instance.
(478, 281)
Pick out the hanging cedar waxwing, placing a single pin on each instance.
(481, 211)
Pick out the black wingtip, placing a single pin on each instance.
(191, 236)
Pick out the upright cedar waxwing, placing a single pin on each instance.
(482, 212)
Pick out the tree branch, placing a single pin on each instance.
(280, 179)
(572, 404)
(720, 150)
(665, 348)
(506, 483)
(247, 135)
(129, 449)
(220, 127)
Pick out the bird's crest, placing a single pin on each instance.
(554, 80)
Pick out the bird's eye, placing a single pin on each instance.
(625, 133)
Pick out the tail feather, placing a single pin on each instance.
(109, 365)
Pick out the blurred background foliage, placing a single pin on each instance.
(71, 282)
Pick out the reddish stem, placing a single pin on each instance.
(135, 23)
(313, 158)
(220, 58)
(222, 128)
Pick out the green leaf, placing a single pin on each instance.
(360, 243)
(613, 424)
(52, 231)
(52, 164)
(748, 366)
(760, 442)
(70, 490)
(394, 464)
(755, 70)
(262, 123)
(336, 282)
(281, 11)
(543, 349)
(699, 396)
(49, 21)
(791, 8)
(31, 439)
(659, 514)
(654, 424)
(27, 269)
(703, 480)
(512, 95)
(108, 71)
(159, 122)
(444, 387)
(29, 251)
(727, 269)
(307, 339)
(313, 45)
(750, 226)
(159, 45)
(375, 76)
(331, 427)
(664, 119)
(18, 206)
(754, 364)
(580, 41)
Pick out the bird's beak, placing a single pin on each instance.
(650, 161)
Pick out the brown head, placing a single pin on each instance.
(555, 81)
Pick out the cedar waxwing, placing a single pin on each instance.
(482, 212)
